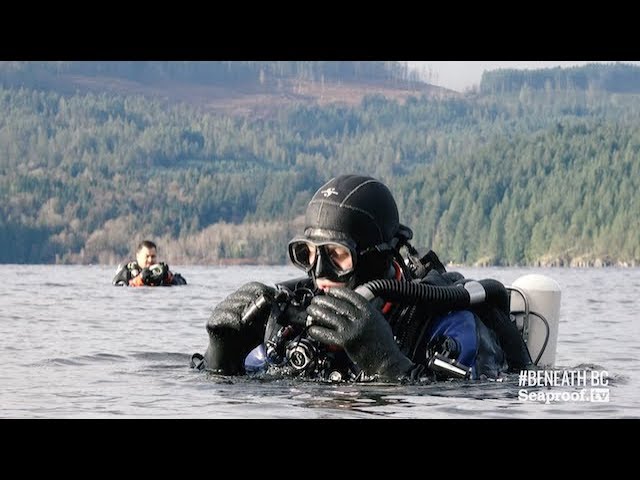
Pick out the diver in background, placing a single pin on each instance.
(319, 326)
(146, 270)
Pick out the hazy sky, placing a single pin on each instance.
(462, 75)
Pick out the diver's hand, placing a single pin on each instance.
(236, 326)
(346, 319)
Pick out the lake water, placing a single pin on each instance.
(74, 346)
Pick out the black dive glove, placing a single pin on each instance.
(236, 326)
(344, 318)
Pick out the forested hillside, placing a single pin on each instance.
(529, 176)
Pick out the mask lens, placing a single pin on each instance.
(303, 254)
(330, 259)
(340, 258)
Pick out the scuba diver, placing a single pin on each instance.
(146, 271)
(369, 308)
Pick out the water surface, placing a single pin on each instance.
(74, 346)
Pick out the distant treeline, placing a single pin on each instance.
(45, 75)
(523, 178)
(615, 78)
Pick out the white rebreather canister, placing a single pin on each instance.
(543, 296)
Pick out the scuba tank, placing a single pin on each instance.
(535, 305)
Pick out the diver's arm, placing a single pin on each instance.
(237, 326)
(122, 276)
(177, 279)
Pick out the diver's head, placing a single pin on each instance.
(351, 225)
(146, 254)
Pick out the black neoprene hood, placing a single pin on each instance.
(352, 207)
